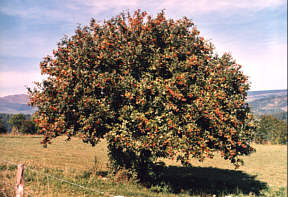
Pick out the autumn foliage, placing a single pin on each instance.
(152, 87)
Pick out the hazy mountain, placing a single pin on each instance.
(268, 102)
(14, 104)
(261, 102)
(18, 98)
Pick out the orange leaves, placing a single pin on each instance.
(232, 152)
(128, 95)
(52, 108)
(171, 124)
(176, 95)
(193, 60)
(126, 72)
(190, 95)
(140, 100)
(181, 80)
(243, 146)
(143, 85)
(241, 89)
(195, 31)
(183, 99)
(171, 91)
(208, 57)
(98, 122)
(217, 112)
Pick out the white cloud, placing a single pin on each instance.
(199, 5)
(40, 14)
(24, 46)
(79, 11)
(102, 4)
(180, 7)
(265, 65)
(16, 82)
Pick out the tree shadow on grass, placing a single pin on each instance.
(199, 181)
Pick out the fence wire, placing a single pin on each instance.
(12, 186)
(62, 180)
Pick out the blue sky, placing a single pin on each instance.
(253, 31)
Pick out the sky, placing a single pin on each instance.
(253, 31)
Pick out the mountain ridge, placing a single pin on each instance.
(261, 102)
(14, 104)
(15, 98)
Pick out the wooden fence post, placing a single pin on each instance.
(20, 181)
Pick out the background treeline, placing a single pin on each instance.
(17, 123)
(271, 128)
(280, 116)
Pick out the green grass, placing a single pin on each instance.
(264, 173)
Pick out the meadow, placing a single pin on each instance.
(77, 169)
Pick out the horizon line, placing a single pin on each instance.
(247, 91)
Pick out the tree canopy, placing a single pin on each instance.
(153, 87)
(28, 127)
(271, 130)
(3, 129)
(16, 120)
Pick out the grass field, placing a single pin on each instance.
(264, 173)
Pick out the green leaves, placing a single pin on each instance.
(271, 130)
(145, 84)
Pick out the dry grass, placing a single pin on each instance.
(74, 158)
(60, 154)
(268, 164)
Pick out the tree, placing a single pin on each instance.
(271, 130)
(2, 127)
(5, 119)
(16, 121)
(28, 127)
(152, 87)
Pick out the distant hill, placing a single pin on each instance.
(14, 104)
(261, 102)
(268, 102)
(18, 98)
(266, 92)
